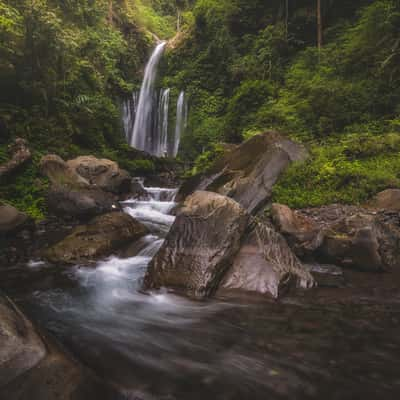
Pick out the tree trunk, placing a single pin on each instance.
(110, 12)
(319, 23)
(287, 19)
(178, 22)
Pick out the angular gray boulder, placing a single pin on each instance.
(247, 173)
(265, 265)
(200, 246)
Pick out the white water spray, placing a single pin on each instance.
(141, 136)
(181, 122)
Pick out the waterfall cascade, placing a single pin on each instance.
(161, 139)
(145, 116)
(181, 121)
(129, 108)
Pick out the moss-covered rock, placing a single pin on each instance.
(99, 238)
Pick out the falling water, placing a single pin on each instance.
(181, 121)
(145, 116)
(161, 141)
(129, 108)
(141, 136)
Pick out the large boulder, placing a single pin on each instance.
(19, 155)
(33, 367)
(60, 173)
(101, 237)
(83, 203)
(247, 173)
(21, 347)
(72, 195)
(349, 236)
(265, 265)
(103, 173)
(200, 246)
(11, 220)
(388, 200)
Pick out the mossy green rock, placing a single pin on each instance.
(248, 173)
(99, 238)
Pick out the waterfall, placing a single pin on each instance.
(144, 121)
(181, 121)
(145, 116)
(162, 123)
(129, 108)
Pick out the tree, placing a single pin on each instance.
(319, 24)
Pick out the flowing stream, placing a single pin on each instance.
(331, 344)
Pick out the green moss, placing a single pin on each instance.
(349, 169)
(26, 190)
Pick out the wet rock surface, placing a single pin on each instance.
(33, 367)
(248, 172)
(200, 246)
(266, 265)
(99, 238)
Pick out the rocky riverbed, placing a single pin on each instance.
(220, 295)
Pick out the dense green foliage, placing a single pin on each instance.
(249, 66)
(64, 66)
(246, 65)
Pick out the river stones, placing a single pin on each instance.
(200, 246)
(266, 265)
(247, 173)
(349, 236)
(34, 367)
(101, 237)
(215, 244)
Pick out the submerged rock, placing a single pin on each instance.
(200, 246)
(33, 367)
(99, 238)
(265, 264)
(248, 172)
(105, 174)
